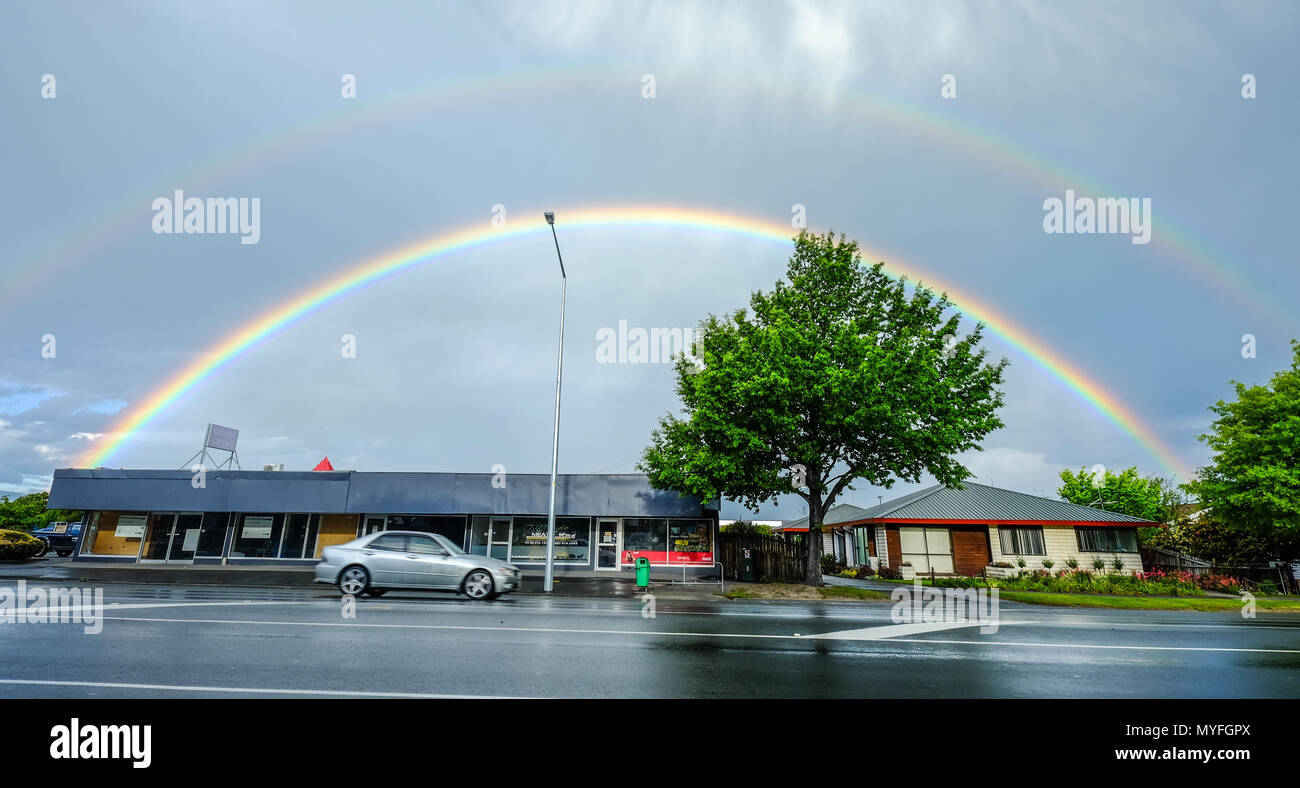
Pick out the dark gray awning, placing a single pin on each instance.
(354, 492)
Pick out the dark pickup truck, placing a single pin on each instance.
(59, 537)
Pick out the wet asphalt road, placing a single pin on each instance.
(225, 642)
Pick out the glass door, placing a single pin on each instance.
(499, 539)
(157, 537)
(607, 545)
(171, 538)
(185, 538)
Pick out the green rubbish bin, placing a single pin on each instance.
(747, 573)
(642, 572)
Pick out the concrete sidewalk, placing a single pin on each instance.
(586, 584)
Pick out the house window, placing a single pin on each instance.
(1107, 540)
(926, 548)
(1022, 540)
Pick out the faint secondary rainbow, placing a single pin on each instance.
(375, 269)
(1012, 158)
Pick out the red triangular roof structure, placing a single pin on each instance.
(324, 465)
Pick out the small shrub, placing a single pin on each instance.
(1223, 583)
(1118, 564)
(890, 573)
(1266, 587)
(1020, 562)
(1098, 564)
(865, 572)
(18, 546)
(1048, 563)
(1072, 562)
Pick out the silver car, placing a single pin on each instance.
(374, 563)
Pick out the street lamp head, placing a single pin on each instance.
(550, 217)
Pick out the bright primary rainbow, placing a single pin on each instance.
(375, 269)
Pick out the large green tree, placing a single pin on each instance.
(27, 512)
(1253, 482)
(1152, 498)
(836, 375)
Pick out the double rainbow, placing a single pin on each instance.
(376, 269)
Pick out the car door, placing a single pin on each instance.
(430, 563)
(385, 558)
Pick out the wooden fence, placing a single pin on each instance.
(1161, 558)
(775, 559)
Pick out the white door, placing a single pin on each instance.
(607, 545)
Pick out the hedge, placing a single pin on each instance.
(18, 546)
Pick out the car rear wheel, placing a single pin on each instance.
(354, 580)
(478, 585)
(376, 591)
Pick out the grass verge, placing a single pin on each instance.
(798, 591)
(1274, 604)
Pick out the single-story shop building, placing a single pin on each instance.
(961, 531)
(603, 522)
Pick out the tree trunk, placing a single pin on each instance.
(813, 569)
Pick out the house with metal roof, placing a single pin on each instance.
(960, 531)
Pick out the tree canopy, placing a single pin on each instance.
(1252, 484)
(28, 512)
(836, 375)
(1149, 497)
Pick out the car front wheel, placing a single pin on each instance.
(478, 585)
(354, 580)
(45, 546)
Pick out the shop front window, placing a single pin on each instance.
(478, 534)
(645, 538)
(572, 540)
(299, 535)
(257, 535)
(450, 526)
(114, 533)
(690, 542)
(212, 534)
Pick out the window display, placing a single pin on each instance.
(572, 539)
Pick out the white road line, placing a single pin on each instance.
(895, 630)
(1098, 646)
(661, 633)
(251, 690)
(542, 630)
(58, 610)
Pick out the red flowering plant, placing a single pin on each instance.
(1223, 583)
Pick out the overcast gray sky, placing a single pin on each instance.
(757, 107)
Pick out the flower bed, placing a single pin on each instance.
(1082, 581)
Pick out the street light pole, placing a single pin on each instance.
(549, 585)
